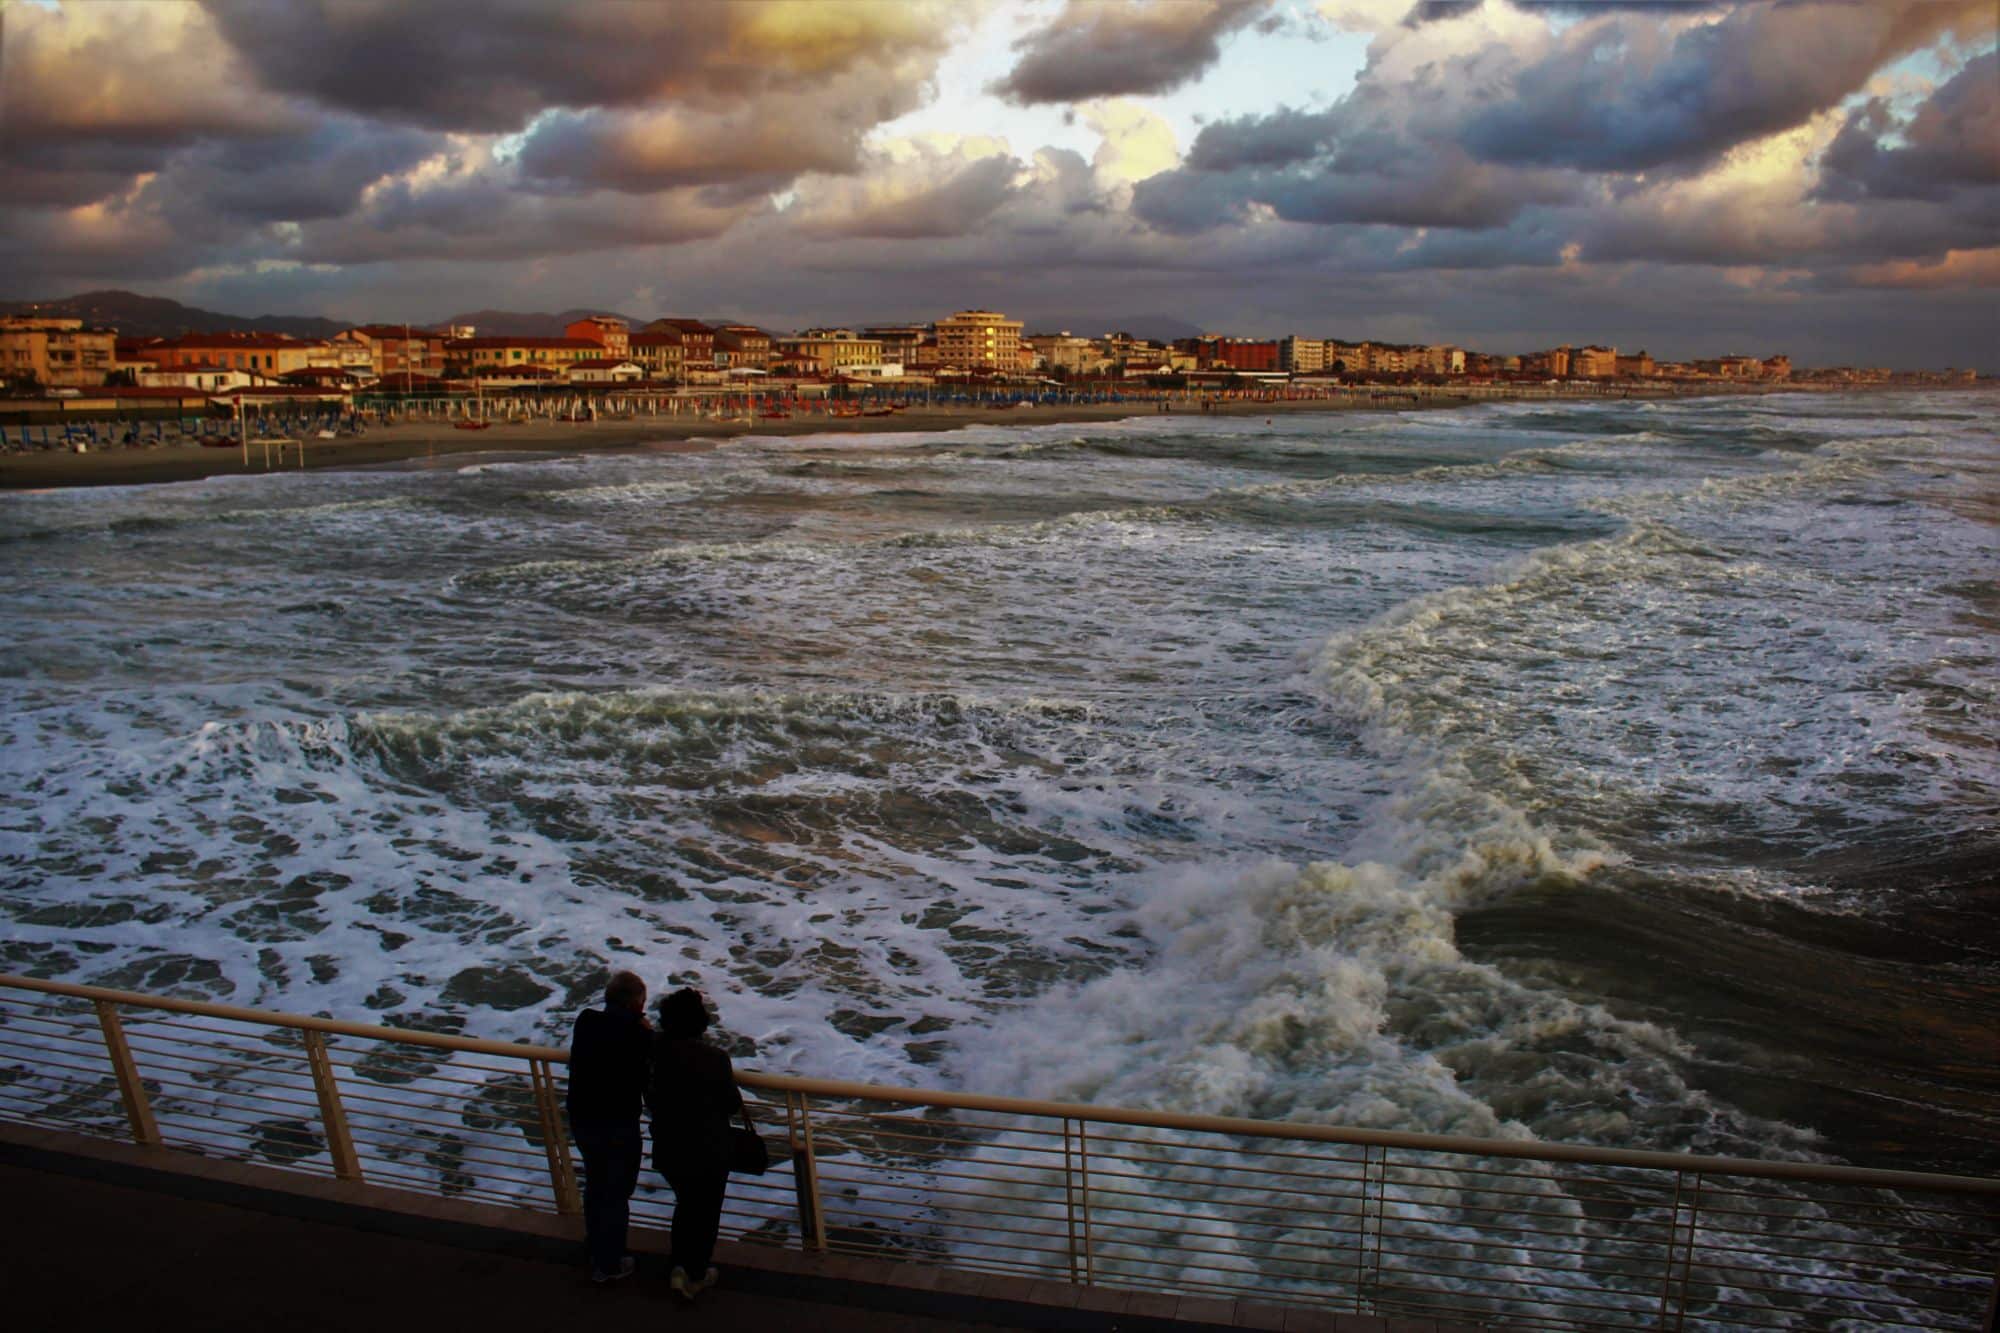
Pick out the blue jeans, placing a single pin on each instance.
(611, 1155)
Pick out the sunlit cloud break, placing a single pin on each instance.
(1821, 176)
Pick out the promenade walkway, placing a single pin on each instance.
(105, 1235)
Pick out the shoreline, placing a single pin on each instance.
(422, 442)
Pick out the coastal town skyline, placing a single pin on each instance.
(1818, 179)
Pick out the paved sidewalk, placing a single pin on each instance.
(89, 1255)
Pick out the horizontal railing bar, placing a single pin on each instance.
(1096, 1115)
(1241, 1149)
(1055, 1223)
(48, 1025)
(1725, 1194)
(1982, 1234)
(428, 1140)
(1771, 1216)
(1941, 1282)
(1788, 1317)
(202, 1099)
(845, 1136)
(852, 1123)
(1235, 1172)
(102, 1071)
(1246, 1188)
(1593, 1248)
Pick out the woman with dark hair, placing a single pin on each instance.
(692, 1095)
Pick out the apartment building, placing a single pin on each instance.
(56, 353)
(979, 340)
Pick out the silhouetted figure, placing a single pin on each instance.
(692, 1097)
(608, 1060)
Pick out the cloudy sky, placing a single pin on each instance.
(1818, 178)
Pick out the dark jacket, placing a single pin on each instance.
(608, 1059)
(692, 1096)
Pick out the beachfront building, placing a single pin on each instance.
(979, 340)
(1554, 363)
(742, 347)
(899, 341)
(198, 377)
(344, 352)
(662, 354)
(1594, 363)
(1779, 367)
(1736, 367)
(1636, 365)
(504, 353)
(830, 351)
(55, 353)
(1302, 356)
(269, 354)
(1440, 359)
(607, 331)
(1067, 353)
(697, 341)
(398, 349)
(605, 370)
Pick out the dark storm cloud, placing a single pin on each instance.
(1952, 142)
(320, 173)
(1109, 48)
(1624, 94)
(494, 65)
(1279, 139)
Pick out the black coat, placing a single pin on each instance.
(692, 1096)
(609, 1057)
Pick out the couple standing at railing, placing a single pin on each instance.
(618, 1061)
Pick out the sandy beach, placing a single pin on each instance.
(417, 442)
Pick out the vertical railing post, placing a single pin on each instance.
(555, 1141)
(1069, 1202)
(1083, 1199)
(805, 1174)
(1687, 1262)
(138, 1111)
(332, 1116)
(1365, 1213)
(1673, 1240)
(1381, 1220)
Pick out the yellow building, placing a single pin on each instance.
(1594, 363)
(55, 353)
(832, 350)
(979, 340)
(508, 353)
(662, 353)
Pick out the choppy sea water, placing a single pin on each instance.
(1615, 773)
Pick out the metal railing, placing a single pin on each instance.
(1517, 1234)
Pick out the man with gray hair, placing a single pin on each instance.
(609, 1061)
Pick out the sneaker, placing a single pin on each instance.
(624, 1269)
(683, 1288)
(709, 1279)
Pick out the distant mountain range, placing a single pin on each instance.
(137, 316)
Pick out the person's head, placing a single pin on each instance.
(682, 1014)
(625, 991)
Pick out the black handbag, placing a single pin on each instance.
(748, 1155)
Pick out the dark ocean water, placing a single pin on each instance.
(1617, 773)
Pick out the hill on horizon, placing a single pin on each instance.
(136, 316)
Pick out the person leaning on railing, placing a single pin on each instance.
(609, 1057)
(692, 1096)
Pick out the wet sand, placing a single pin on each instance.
(418, 442)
